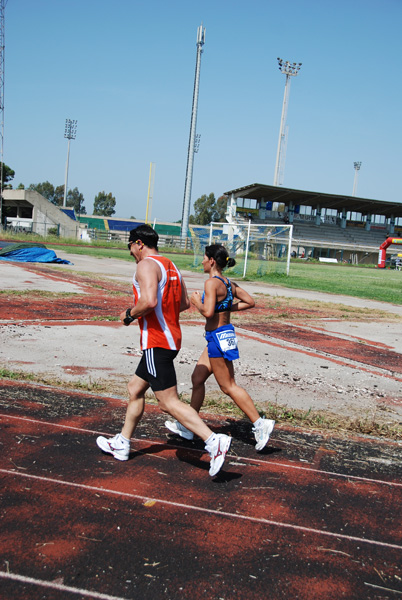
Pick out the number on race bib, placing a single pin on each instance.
(227, 341)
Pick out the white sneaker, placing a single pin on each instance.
(114, 446)
(179, 429)
(217, 452)
(262, 433)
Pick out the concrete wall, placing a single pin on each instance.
(45, 215)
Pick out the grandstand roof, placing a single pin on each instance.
(272, 193)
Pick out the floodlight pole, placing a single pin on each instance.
(194, 139)
(357, 166)
(70, 133)
(290, 70)
(150, 191)
(2, 46)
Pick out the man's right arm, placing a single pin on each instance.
(147, 277)
(185, 301)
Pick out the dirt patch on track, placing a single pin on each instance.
(369, 354)
(295, 353)
(100, 299)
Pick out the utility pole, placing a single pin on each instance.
(150, 191)
(290, 70)
(357, 166)
(70, 133)
(2, 46)
(194, 139)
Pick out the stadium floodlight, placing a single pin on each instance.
(290, 70)
(357, 166)
(70, 133)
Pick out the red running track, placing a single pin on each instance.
(308, 518)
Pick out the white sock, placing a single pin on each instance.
(258, 423)
(123, 439)
(211, 439)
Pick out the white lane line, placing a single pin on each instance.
(238, 458)
(58, 586)
(339, 536)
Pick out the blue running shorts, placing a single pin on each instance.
(222, 343)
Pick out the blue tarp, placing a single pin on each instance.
(26, 253)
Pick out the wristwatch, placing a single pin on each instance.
(129, 319)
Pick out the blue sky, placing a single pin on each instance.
(125, 71)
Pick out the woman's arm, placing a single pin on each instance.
(206, 308)
(245, 300)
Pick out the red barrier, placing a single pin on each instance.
(383, 248)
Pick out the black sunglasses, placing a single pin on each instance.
(131, 243)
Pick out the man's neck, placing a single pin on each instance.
(149, 252)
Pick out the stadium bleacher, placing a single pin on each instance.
(122, 225)
(93, 222)
(70, 212)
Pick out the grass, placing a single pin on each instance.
(7, 374)
(382, 285)
(220, 405)
(367, 282)
(41, 293)
(366, 424)
(90, 386)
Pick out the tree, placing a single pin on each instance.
(208, 209)
(221, 209)
(55, 195)
(59, 195)
(47, 190)
(75, 200)
(203, 209)
(8, 175)
(104, 204)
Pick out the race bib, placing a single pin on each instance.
(227, 340)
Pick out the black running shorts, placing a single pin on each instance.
(157, 368)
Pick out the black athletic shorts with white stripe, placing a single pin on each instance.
(157, 368)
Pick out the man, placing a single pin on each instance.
(159, 297)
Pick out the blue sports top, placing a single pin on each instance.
(225, 304)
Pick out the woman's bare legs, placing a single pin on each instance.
(200, 374)
(224, 374)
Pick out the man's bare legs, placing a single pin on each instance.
(168, 401)
(217, 445)
(136, 403)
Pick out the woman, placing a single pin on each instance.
(215, 305)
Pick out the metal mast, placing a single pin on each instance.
(193, 140)
(290, 70)
(70, 133)
(357, 166)
(150, 191)
(2, 46)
